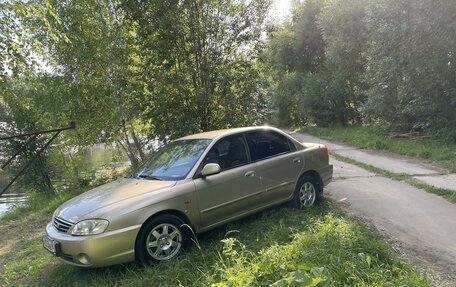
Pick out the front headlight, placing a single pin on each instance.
(55, 214)
(89, 227)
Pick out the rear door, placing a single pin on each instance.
(279, 164)
(235, 190)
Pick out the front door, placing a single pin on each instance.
(235, 190)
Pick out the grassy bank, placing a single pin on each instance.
(440, 152)
(280, 247)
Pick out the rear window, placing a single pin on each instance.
(264, 144)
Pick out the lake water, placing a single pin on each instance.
(10, 200)
(11, 197)
(98, 157)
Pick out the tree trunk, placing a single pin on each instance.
(131, 156)
(138, 146)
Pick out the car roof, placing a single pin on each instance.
(224, 132)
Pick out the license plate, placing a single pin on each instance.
(50, 244)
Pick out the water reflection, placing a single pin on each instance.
(12, 197)
(10, 200)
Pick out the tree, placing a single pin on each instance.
(20, 51)
(345, 36)
(199, 63)
(21, 59)
(313, 82)
(295, 50)
(98, 71)
(410, 71)
(309, 44)
(124, 78)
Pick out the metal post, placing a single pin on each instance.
(18, 151)
(30, 162)
(34, 136)
(71, 126)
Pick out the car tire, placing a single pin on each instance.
(306, 192)
(162, 238)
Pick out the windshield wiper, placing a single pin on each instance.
(152, 177)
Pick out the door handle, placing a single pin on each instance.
(297, 160)
(250, 173)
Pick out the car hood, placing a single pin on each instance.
(85, 205)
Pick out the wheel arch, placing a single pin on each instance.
(314, 174)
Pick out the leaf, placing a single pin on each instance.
(368, 260)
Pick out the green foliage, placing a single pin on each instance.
(385, 62)
(286, 102)
(325, 98)
(309, 46)
(293, 49)
(199, 58)
(20, 52)
(345, 38)
(411, 73)
(317, 64)
(99, 70)
(124, 78)
(20, 114)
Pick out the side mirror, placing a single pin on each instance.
(210, 168)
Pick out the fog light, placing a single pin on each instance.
(84, 259)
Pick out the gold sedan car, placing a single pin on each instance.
(190, 186)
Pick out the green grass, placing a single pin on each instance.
(440, 152)
(279, 247)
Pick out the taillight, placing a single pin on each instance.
(327, 150)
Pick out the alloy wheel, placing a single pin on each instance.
(164, 241)
(307, 194)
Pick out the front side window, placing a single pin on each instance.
(173, 161)
(228, 152)
(264, 144)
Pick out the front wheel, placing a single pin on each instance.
(162, 238)
(305, 193)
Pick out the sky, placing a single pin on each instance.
(281, 9)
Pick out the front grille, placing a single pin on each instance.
(61, 224)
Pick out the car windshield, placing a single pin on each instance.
(174, 161)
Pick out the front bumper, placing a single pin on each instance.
(108, 248)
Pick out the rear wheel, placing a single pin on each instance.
(162, 238)
(306, 192)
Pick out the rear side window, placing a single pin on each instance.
(263, 144)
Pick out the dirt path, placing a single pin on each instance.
(420, 224)
(14, 231)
